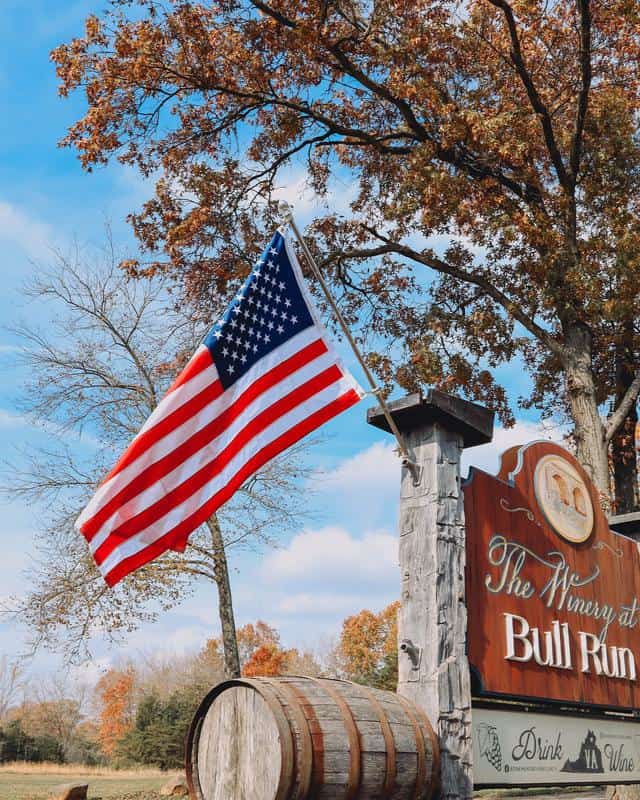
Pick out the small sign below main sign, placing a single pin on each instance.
(512, 748)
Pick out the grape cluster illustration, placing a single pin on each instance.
(490, 745)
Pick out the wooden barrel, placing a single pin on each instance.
(295, 738)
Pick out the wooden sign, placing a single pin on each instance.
(552, 593)
(515, 749)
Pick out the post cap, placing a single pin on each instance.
(416, 410)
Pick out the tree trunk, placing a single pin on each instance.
(225, 602)
(625, 465)
(623, 445)
(589, 433)
(591, 446)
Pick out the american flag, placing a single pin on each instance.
(264, 377)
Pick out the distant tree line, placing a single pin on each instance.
(17, 745)
(18, 742)
(152, 727)
(140, 713)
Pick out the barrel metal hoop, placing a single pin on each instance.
(317, 737)
(389, 743)
(192, 741)
(435, 751)
(263, 688)
(420, 749)
(352, 734)
(303, 760)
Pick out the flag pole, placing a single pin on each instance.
(407, 460)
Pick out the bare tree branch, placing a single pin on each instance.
(619, 415)
(534, 97)
(429, 259)
(97, 372)
(583, 97)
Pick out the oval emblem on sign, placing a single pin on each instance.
(563, 498)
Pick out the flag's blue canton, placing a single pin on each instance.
(268, 310)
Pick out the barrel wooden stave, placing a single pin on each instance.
(330, 742)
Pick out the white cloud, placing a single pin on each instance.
(90, 672)
(332, 558)
(361, 492)
(8, 419)
(307, 588)
(294, 189)
(336, 606)
(18, 228)
(182, 639)
(371, 469)
(374, 473)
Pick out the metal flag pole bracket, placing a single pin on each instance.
(407, 460)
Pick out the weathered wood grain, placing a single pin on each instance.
(239, 752)
(433, 613)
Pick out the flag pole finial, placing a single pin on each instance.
(286, 213)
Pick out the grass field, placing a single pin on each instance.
(35, 782)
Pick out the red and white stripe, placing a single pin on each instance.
(202, 443)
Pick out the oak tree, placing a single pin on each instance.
(267, 661)
(261, 653)
(493, 155)
(367, 651)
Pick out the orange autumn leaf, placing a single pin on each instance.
(115, 696)
(367, 639)
(483, 168)
(266, 661)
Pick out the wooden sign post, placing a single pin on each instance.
(433, 669)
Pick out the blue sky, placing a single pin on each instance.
(346, 559)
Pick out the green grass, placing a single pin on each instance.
(31, 785)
